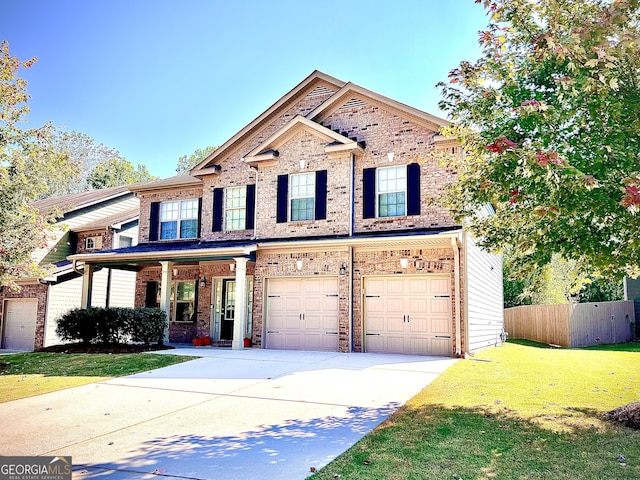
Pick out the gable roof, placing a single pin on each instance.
(349, 90)
(171, 182)
(315, 79)
(267, 150)
(76, 201)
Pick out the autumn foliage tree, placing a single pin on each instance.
(549, 118)
(28, 162)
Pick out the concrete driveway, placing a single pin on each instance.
(248, 414)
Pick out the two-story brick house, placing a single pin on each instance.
(317, 226)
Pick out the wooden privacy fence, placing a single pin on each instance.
(572, 325)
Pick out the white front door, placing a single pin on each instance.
(302, 313)
(408, 314)
(20, 324)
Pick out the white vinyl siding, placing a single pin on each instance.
(484, 299)
(67, 295)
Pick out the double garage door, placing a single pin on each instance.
(411, 315)
(19, 325)
(302, 313)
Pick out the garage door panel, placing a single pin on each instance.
(20, 324)
(408, 313)
(310, 313)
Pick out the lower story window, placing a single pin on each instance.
(183, 301)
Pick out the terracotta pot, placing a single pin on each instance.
(198, 341)
(206, 340)
(247, 342)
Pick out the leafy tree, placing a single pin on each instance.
(86, 154)
(549, 118)
(28, 162)
(118, 171)
(186, 163)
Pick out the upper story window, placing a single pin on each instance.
(124, 241)
(392, 191)
(235, 208)
(179, 219)
(303, 195)
(93, 243)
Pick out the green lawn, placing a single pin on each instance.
(28, 374)
(512, 412)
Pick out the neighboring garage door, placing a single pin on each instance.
(408, 315)
(19, 324)
(302, 313)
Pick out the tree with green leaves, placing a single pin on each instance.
(549, 118)
(186, 163)
(28, 164)
(118, 171)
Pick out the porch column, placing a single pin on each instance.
(87, 285)
(165, 294)
(240, 318)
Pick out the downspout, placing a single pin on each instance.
(456, 267)
(74, 266)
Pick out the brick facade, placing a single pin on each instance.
(105, 235)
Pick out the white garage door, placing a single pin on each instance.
(20, 324)
(302, 313)
(409, 315)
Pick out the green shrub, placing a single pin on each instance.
(77, 324)
(146, 324)
(112, 325)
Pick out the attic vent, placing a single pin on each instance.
(321, 90)
(353, 103)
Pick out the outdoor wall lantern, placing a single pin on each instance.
(404, 262)
(299, 264)
(232, 266)
(343, 269)
(203, 282)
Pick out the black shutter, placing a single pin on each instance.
(283, 196)
(413, 189)
(218, 194)
(321, 195)
(199, 217)
(154, 221)
(194, 316)
(369, 193)
(251, 207)
(151, 296)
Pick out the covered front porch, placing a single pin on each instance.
(205, 289)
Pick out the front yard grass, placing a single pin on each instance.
(512, 412)
(28, 374)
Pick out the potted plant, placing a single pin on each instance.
(206, 340)
(198, 342)
(247, 342)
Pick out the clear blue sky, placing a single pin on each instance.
(158, 79)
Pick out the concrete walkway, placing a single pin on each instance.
(247, 414)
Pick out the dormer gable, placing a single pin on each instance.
(267, 153)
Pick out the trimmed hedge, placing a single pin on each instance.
(113, 325)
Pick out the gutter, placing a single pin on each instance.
(456, 258)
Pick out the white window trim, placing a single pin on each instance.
(227, 228)
(406, 180)
(291, 197)
(179, 220)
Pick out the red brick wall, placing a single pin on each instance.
(107, 240)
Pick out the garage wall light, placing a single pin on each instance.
(203, 282)
(404, 262)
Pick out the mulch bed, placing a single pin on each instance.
(628, 415)
(102, 348)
